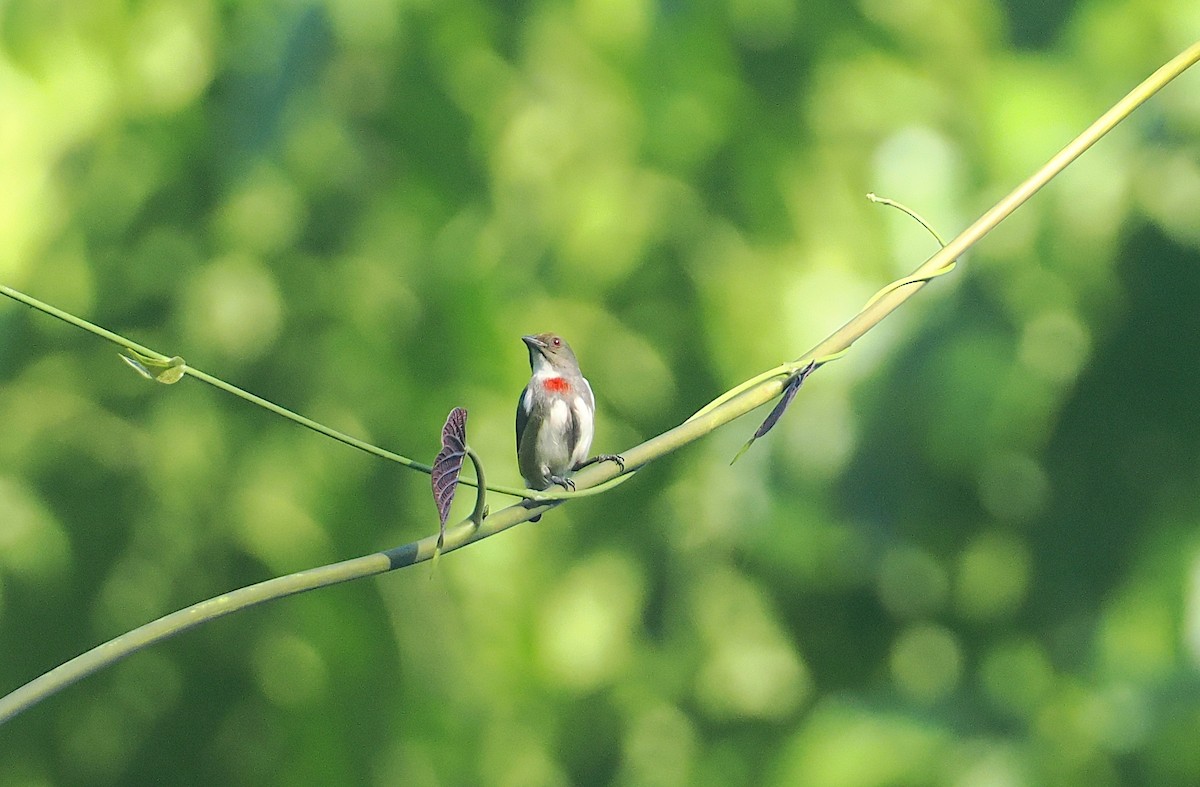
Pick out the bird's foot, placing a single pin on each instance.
(620, 460)
(562, 481)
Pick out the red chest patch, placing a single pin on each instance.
(556, 385)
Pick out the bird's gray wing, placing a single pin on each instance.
(522, 416)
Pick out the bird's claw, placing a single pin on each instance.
(565, 483)
(620, 460)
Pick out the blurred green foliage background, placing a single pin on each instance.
(969, 555)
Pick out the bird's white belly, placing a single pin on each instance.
(553, 449)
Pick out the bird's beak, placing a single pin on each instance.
(534, 343)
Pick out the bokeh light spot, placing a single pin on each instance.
(234, 308)
(1013, 487)
(32, 544)
(751, 669)
(136, 591)
(365, 22)
(1017, 677)
(589, 622)
(1191, 612)
(1137, 635)
(912, 583)
(993, 573)
(172, 53)
(841, 745)
(274, 526)
(288, 669)
(926, 662)
(660, 748)
(1055, 346)
(263, 215)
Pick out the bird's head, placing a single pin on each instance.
(549, 352)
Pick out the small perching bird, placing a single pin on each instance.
(556, 416)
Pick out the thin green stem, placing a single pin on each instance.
(217, 382)
(783, 371)
(845, 336)
(185, 619)
(481, 490)
(78, 322)
(590, 491)
(917, 217)
(341, 437)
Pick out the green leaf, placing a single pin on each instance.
(161, 370)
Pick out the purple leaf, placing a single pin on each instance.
(448, 465)
(789, 393)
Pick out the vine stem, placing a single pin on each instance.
(725, 409)
(216, 382)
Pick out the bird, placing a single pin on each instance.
(556, 416)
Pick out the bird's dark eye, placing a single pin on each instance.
(557, 342)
